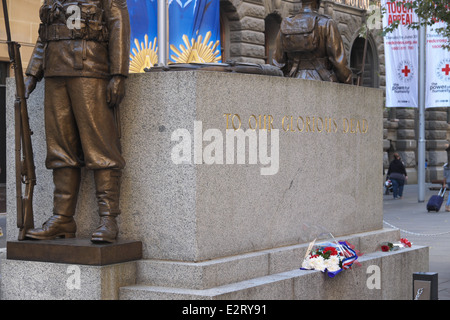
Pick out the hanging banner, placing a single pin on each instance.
(143, 22)
(438, 69)
(194, 32)
(401, 55)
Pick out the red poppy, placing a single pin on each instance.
(332, 250)
(405, 242)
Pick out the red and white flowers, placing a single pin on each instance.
(323, 259)
(331, 257)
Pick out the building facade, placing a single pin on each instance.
(24, 22)
(248, 32)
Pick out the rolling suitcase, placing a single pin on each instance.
(435, 202)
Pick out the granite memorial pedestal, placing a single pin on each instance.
(220, 222)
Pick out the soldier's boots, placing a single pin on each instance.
(62, 223)
(107, 183)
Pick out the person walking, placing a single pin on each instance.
(397, 174)
(446, 184)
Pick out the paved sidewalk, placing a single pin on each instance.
(423, 228)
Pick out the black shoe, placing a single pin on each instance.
(107, 231)
(56, 226)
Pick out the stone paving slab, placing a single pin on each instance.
(423, 229)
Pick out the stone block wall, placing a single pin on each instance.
(406, 144)
(246, 24)
(401, 132)
(24, 22)
(436, 130)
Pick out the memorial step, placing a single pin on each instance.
(222, 271)
(376, 277)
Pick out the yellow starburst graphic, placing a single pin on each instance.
(146, 55)
(197, 51)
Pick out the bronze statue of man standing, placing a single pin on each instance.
(83, 53)
(309, 46)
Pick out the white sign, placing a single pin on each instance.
(401, 55)
(438, 69)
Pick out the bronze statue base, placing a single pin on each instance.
(74, 251)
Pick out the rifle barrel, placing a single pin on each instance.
(5, 14)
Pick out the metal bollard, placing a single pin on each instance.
(425, 286)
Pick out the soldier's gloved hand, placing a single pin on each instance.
(115, 91)
(30, 85)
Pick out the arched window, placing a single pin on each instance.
(370, 77)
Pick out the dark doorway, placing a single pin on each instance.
(272, 26)
(370, 75)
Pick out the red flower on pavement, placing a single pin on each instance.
(405, 242)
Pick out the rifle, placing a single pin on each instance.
(25, 170)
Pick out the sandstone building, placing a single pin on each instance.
(248, 31)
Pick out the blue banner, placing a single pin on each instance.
(194, 32)
(143, 34)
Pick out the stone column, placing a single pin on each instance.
(406, 144)
(390, 126)
(247, 34)
(436, 128)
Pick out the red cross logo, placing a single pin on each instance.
(406, 71)
(446, 69)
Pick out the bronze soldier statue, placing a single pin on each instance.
(83, 54)
(309, 46)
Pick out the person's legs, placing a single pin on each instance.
(395, 188)
(448, 200)
(401, 183)
(447, 205)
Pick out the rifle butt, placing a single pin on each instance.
(27, 210)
